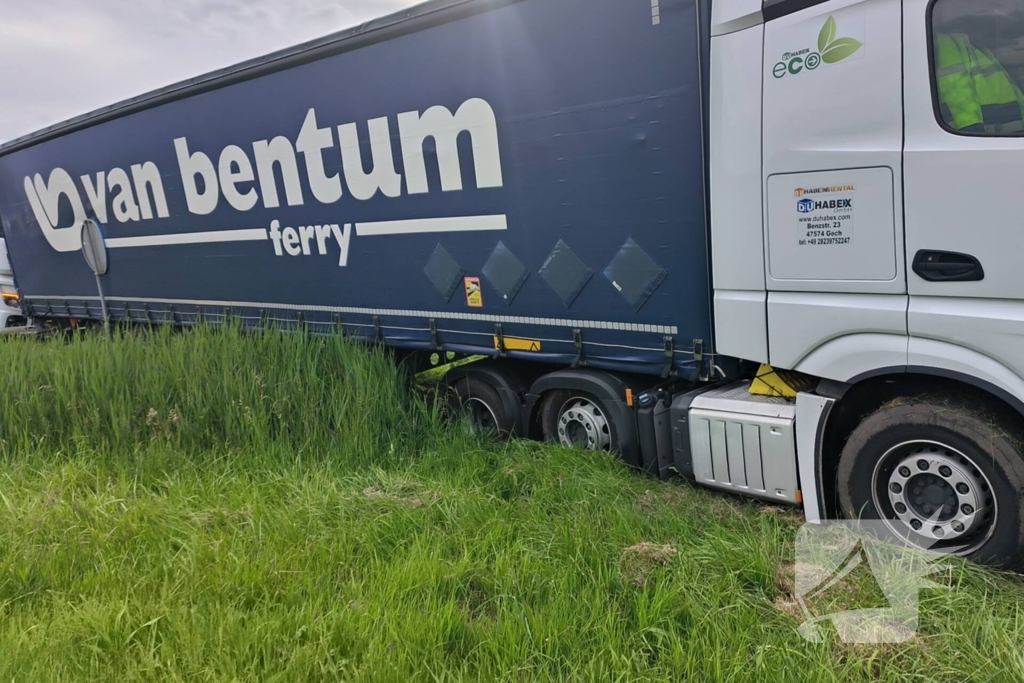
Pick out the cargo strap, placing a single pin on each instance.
(435, 345)
(577, 339)
(499, 343)
(698, 358)
(378, 336)
(669, 358)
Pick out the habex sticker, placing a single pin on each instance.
(474, 295)
(825, 215)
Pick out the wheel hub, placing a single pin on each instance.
(479, 418)
(583, 424)
(937, 491)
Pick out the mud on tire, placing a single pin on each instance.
(955, 457)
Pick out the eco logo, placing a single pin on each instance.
(831, 50)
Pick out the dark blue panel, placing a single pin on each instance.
(599, 117)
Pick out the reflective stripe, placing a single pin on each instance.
(1005, 128)
(950, 70)
(992, 70)
(998, 114)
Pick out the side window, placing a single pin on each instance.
(978, 66)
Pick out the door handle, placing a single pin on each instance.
(947, 266)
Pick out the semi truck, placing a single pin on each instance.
(768, 246)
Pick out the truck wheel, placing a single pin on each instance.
(578, 420)
(942, 475)
(480, 407)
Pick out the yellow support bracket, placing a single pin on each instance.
(785, 383)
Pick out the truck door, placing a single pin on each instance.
(832, 171)
(964, 186)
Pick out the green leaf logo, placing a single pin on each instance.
(840, 49)
(834, 49)
(827, 35)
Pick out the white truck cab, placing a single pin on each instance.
(866, 225)
(11, 317)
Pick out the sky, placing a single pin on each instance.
(62, 58)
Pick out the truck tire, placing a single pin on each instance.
(480, 407)
(577, 419)
(940, 474)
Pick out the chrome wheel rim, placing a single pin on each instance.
(935, 496)
(582, 424)
(478, 417)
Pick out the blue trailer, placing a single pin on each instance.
(521, 178)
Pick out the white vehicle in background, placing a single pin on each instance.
(11, 315)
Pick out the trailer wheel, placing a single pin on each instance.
(480, 407)
(578, 420)
(941, 475)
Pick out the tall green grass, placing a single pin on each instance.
(301, 515)
(207, 388)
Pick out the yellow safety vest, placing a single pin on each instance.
(1016, 88)
(1000, 108)
(958, 97)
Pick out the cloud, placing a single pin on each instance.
(62, 58)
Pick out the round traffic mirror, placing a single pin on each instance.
(94, 247)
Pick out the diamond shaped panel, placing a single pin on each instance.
(566, 273)
(505, 272)
(635, 274)
(444, 272)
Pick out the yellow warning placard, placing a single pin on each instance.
(515, 344)
(474, 295)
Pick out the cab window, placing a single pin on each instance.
(978, 66)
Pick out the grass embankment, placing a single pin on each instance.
(215, 506)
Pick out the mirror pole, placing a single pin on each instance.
(103, 307)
